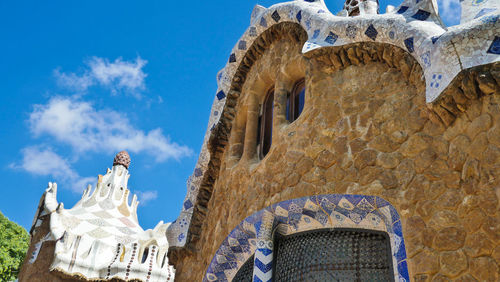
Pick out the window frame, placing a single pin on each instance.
(292, 103)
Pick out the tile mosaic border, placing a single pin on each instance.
(303, 214)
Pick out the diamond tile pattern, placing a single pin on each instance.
(371, 32)
(309, 213)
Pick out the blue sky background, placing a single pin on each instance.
(81, 80)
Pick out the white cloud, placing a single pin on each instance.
(45, 162)
(116, 76)
(449, 10)
(146, 196)
(79, 125)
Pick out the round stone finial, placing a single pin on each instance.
(122, 158)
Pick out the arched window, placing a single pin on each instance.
(265, 133)
(295, 101)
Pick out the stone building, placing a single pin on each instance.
(352, 147)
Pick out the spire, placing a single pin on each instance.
(122, 158)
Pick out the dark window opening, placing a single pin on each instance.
(295, 101)
(145, 255)
(333, 255)
(265, 133)
(245, 272)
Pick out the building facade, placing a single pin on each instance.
(352, 147)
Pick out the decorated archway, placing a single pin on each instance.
(354, 214)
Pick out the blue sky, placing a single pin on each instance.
(82, 80)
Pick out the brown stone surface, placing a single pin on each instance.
(449, 239)
(424, 262)
(370, 134)
(452, 263)
(484, 269)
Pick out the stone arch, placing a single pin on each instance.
(253, 236)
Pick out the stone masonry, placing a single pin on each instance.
(366, 129)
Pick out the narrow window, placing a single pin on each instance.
(266, 124)
(295, 101)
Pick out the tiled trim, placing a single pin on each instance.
(303, 214)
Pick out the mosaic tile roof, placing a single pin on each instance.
(100, 237)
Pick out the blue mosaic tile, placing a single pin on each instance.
(490, 19)
(197, 171)
(316, 34)
(394, 214)
(353, 199)
(188, 204)
(392, 34)
(478, 2)
(257, 226)
(263, 22)
(276, 16)
(221, 95)
(371, 200)
(434, 39)
(402, 9)
(397, 228)
(299, 16)
(401, 253)
(321, 218)
(421, 15)
(309, 213)
(308, 24)
(381, 203)
(436, 80)
(409, 44)
(321, 11)
(403, 271)
(371, 32)
(263, 267)
(495, 46)
(327, 205)
(484, 12)
(252, 31)
(232, 58)
(242, 45)
(426, 59)
(335, 199)
(236, 249)
(265, 251)
(331, 38)
(181, 237)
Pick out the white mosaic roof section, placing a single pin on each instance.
(414, 26)
(100, 237)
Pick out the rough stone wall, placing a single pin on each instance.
(366, 129)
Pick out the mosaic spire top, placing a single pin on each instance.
(122, 158)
